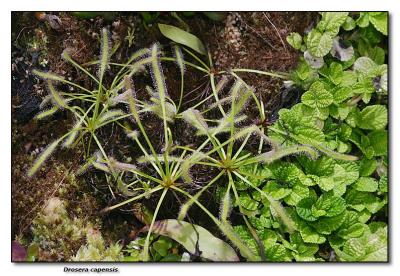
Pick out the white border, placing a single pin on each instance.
(392, 6)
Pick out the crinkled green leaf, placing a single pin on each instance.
(380, 21)
(304, 209)
(366, 184)
(331, 22)
(310, 236)
(364, 65)
(317, 96)
(370, 247)
(319, 44)
(295, 40)
(373, 117)
(299, 192)
(379, 142)
(275, 190)
(326, 225)
(367, 166)
(332, 205)
(247, 202)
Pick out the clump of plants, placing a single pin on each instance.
(335, 203)
(313, 189)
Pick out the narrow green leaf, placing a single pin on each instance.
(43, 157)
(182, 37)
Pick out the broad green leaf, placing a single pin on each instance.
(370, 247)
(275, 190)
(367, 166)
(304, 209)
(277, 253)
(317, 96)
(326, 225)
(247, 202)
(216, 16)
(373, 117)
(319, 44)
(340, 94)
(380, 21)
(360, 201)
(363, 20)
(349, 24)
(182, 37)
(162, 245)
(379, 142)
(351, 231)
(331, 22)
(366, 184)
(335, 73)
(310, 236)
(299, 192)
(383, 184)
(295, 40)
(333, 205)
(192, 236)
(365, 65)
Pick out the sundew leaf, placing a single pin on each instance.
(194, 239)
(182, 37)
(105, 52)
(373, 117)
(43, 157)
(319, 44)
(295, 40)
(317, 96)
(48, 76)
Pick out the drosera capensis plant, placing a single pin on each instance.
(167, 168)
(92, 108)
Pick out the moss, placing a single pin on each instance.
(57, 233)
(96, 250)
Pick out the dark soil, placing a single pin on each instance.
(254, 40)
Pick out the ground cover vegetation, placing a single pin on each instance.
(217, 177)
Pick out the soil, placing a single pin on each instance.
(254, 40)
